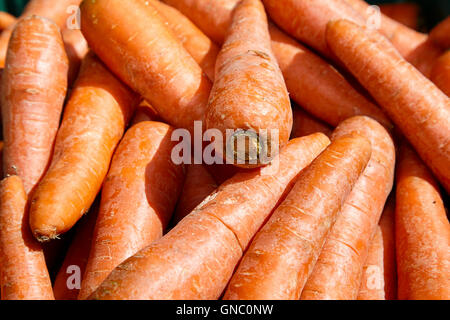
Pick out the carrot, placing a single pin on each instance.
(57, 11)
(411, 100)
(24, 275)
(6, 20)
(440, 74)
(338, 271)
(312, 82)
(249, 92)
(34, 85)
(1, 156)
(306, 20)
(304, 125)
(199, 46)
(198, 185)
(68, 280)
(94, 121)
(138, 198)
(196, 259)
(422, 233)
(441, 34)
(414, 46)
(379, 279)
(76, 48)
(405, 13)
(317, 86)
(144, 53)
(282, 255)
(144, 112)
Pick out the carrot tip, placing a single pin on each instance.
(247, 147)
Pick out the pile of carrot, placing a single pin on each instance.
(328, 126)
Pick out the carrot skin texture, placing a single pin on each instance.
(305, 124)
(440, 35)
(34, 85)
(390, 79)
(198, 185)
(199, 46)
(281, 256)
(24, 275)
(440, 74)
(94, 121)
(422, 233)
(138, 198)
(312, 82)
(196, 259)
(338, 271)
(249, 92)
(148, 57)
(379, 280)
(77, 255)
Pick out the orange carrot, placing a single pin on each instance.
(6, 20)
(422, 233)
(441, 34)
(68, 280)
(34, 85)
(282, 255)
(196, 259)
(144, 112)
(199, 46)
(222, 172)
(312, 82)
(94, 121)
(76, 48)
(24, 275)
(440, 74)
(138, 198)
(304, 125)
(146, 55)
(249, 92)
(197, 186)
(207, 13)
(405, 13)
(306, 20)
(1, 157)
(414, 46)
(57, 11)
(338, 271)
(411, 100)
(379, 280)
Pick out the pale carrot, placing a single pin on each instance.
(419, 109)
(304, 125)
(144, 112)
(283, 253)
(379, 279)
(311, 81)
(6, 20)
(197, 186)
(338, 271)
(94, 121)
(422, 233)
(249, 93)
(138, 198)
(440, 74)
(199, 46)
(441, 34)
(196, 259)
(24, 275)
(33, 89)
(405, 13)
(68, 279)
(141, 50)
